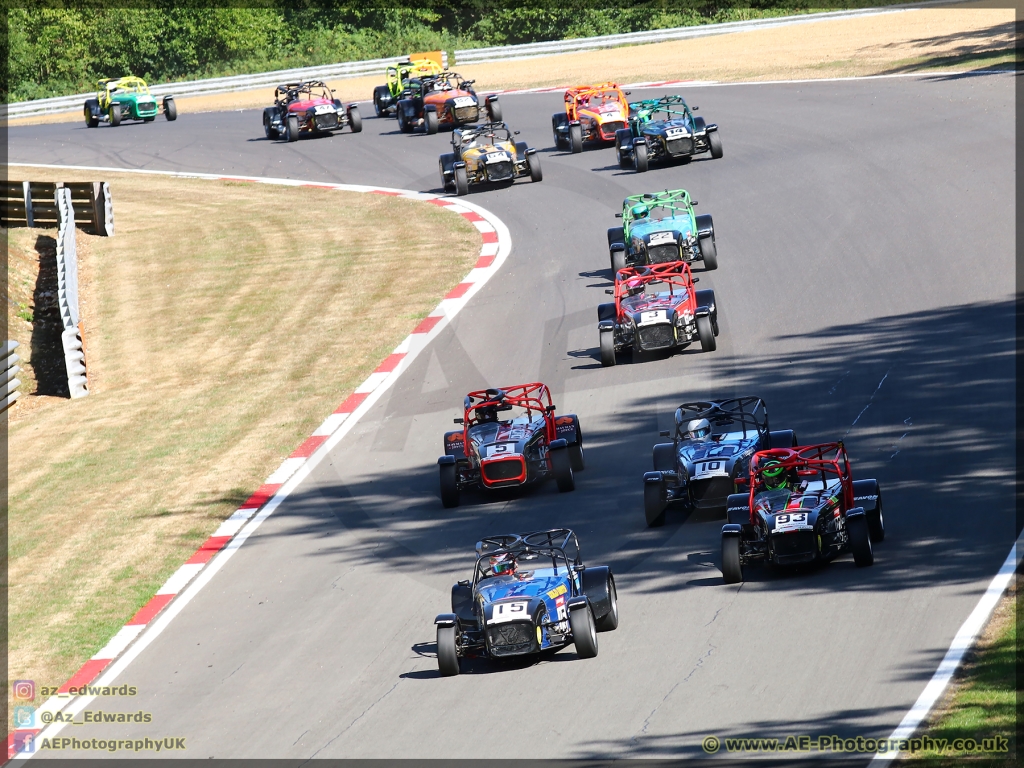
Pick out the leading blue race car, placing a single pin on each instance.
(529, 593)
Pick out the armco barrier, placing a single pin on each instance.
(10, 383)
(67, 295)
(32, 204)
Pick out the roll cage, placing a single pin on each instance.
(746, 413)
(558, 544)
(631, 280)
(494, 131)
(286, 93)
(445, 81)
(676, 200)
(575, 96)
(825, 462)
(110, 85)
(648, 110)
(397, 76)
(531, 397)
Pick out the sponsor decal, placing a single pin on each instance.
(561, 589)
(455, 437)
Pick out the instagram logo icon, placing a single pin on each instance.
(24, 690)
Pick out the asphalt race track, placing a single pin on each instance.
(865, 290)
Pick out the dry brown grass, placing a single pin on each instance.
(223, 322)
(964, 37)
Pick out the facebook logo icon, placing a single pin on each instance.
(24, 741)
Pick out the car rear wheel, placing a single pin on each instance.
(640, 157)
(461, 181)
(709, 252)
(561, 467)
(706, 334)
(876, 523)
(355, 120)
(115, 114)
(533, 163)
(447, 651)
(607, 348)
(715, 142)
(654, 505)
(860, 541)
(584, 633)
(430, 121)
(610, 620)
(91, 121)
(732, 569)
(291, 132)
(576, 452)
(170, 109)
(449, 486)
(494, 111)
(268, 127)
(575, 139)
(380, 95)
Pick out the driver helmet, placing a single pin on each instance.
(774, 475)
(697, 428)
(640, 211)
(503, 564)
(487, 413)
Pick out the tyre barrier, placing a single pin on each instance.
(30, 204)
(11, 369)
(67, 295)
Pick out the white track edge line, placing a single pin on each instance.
(152, 630)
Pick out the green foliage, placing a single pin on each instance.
(63, 48)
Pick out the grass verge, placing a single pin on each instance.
(223, 322)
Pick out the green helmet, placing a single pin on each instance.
(774, 475)
(639, 211)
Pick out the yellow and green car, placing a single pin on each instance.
(125, 98)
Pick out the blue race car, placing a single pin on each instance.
(529, 593)
(711, 448)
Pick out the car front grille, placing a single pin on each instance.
(510, 471)
(467, 114)
(657, 336)
(511, 639)
(709, 494)
(680, 146)
(796, 547)
(608, 130)
(499, 171)
(326, 122)
(661, 254)
(146, 106)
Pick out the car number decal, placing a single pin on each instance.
(790, 520)
(495, 157)
(322, 108)
(464, 101)
(501, 449)
(502, 612)
(653, 316)
(704, 469)
(675, 133)
(662, 237)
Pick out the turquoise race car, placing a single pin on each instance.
(661, 227)
(125, 98)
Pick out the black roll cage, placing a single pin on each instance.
(550, 543)
(736, 410)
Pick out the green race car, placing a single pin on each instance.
(663, 130)
(403, 78)
(661, 227)
(125, 98)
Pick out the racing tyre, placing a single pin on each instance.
(709, 252)
(91, 121)
(860, 541)
(576, 453)
(461, 181)
(561, 466)
(355, 120)
(732, 569)
(115, 114)
(876, 523)
(654, 505)
(533, 163)
(610, 620)
(715, 142)
(640, 158)
(430, 121)
(449, 486)
(447, 652)
(607, 348)
(291, 131)
(575, 139)
(494, 110)
(584, 633)
(268, 128)
(706, 334)
(170, 109)
(379, 94)
(618, 259)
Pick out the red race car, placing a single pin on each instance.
(531, 444)
(308, 107)
(656, 308)
(443, 100)
(593, 113)
(803, 506)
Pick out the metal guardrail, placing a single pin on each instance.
(31, 204)
(10, 384)
(67, 295)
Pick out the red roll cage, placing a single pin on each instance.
(675, 273)
(530, 397)
(573, 97)
(826, 461)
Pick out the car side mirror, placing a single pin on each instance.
(580, 568)
(696, 279)
(693, 202)
(609, 291)
(550, 409)
(694, 109)
(515, 133)
(458, 421)
(464, 583)
(618, 215)
(627, 93)
(664, 433)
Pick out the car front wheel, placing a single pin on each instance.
(732, 569)
(584, 633)
(447, 651)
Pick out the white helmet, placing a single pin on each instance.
(696, 428)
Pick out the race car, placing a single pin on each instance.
(656, 308)
(529, 593)
(402, 77)
(664, 129)
(486, 153)
(532, 445)
(125, 98)
(443, 100)
(803, 506)
(711, 447)
(593, 114)
(310, 108)
(661, 227)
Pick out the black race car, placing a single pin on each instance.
(529, 593)
(662, 130)
(710, 450)
(803, 507)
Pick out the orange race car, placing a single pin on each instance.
(444, 100)
(593, 113)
